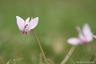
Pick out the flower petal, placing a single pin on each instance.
(94, 36)
(78, 29)
(20, 23)
(74, 41)
(33, 23)
(87, 32)
(27, 20)
(81, 36)
(26, 30)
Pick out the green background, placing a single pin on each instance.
(57, 22)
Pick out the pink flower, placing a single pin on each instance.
(84, 36)
(26, 26)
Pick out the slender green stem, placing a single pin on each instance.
(40, 46)
(50, 61)
(69, 54)
(71, 60)
(8, 62)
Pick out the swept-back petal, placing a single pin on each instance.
(94, 36)
(33, 23)
(78, 29)
(20, 23)
(27, 20)
(74, 41)
(81, 36)
(87, 32)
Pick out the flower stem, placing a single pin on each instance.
(69, 54)
(40, 46)
(50, 61)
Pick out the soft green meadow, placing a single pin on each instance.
(57, 22)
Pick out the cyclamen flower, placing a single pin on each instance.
(85, 36)
(26, 26)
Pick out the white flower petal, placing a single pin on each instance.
(87, 32)
(81, 36)
(94, 36)
(33, 23)
(20, 23)
(74, 41)
(27, 20)
(26, 30)
(78, 29)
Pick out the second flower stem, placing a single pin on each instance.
(69, 54)
(40, 46)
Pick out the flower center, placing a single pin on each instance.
(25, 26)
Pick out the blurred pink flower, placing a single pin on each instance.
(84, 37)
(26, 26)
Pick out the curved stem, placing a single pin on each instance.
(40, 46)
(50, 61)
(69, 53)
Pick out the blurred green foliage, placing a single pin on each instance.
(58, 19)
